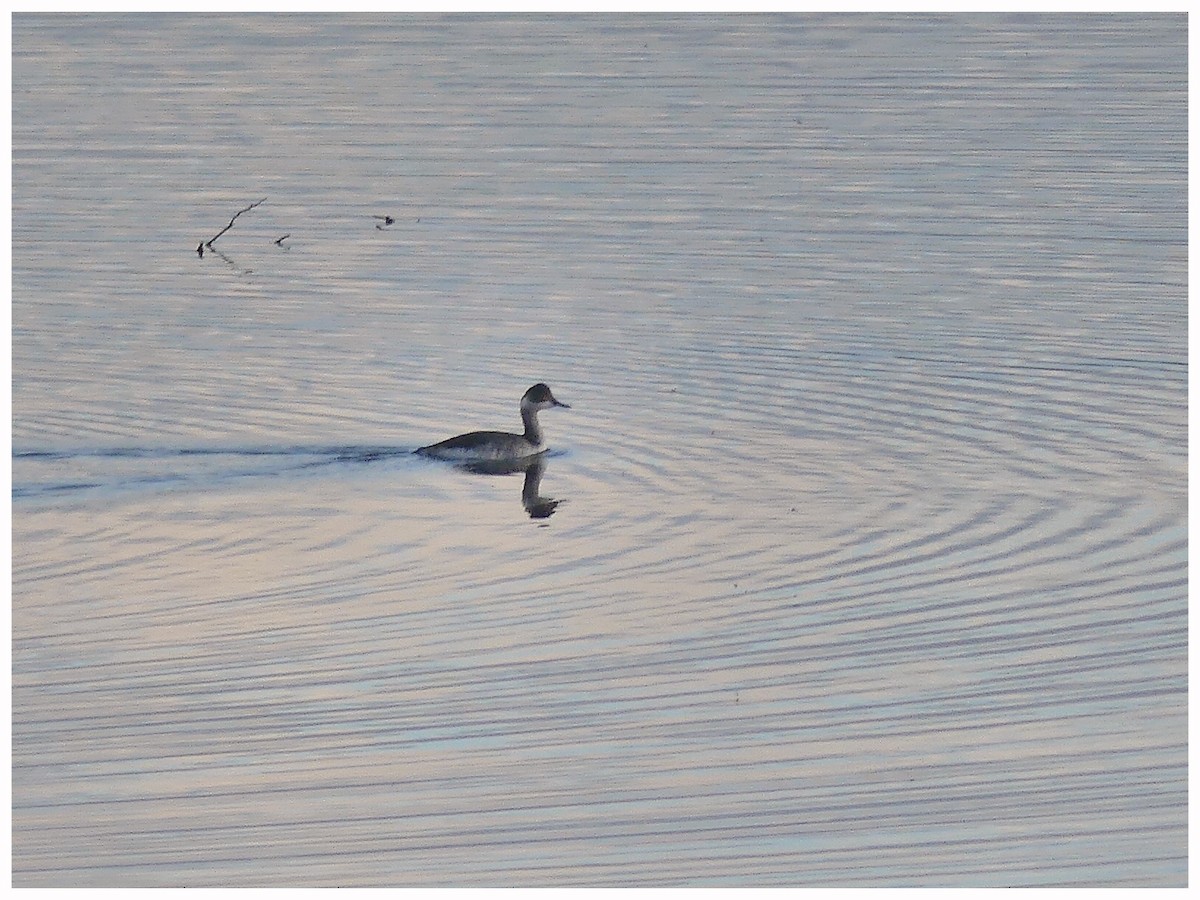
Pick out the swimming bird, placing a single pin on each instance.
(501, 445)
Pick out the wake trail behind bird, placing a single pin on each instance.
(38, 473)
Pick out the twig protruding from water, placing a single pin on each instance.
(200, 247)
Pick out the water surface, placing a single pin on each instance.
(860, 558)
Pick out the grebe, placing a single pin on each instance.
(500, 445)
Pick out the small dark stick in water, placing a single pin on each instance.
(209, 242)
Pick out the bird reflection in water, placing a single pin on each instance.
(534, 467)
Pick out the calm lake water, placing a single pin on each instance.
(860, 558)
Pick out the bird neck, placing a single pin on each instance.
(533, 431)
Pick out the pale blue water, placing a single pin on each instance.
(869, 561)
